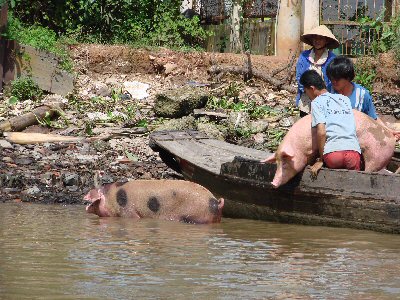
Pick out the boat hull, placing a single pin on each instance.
(337, 198)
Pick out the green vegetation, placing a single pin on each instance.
(109, 110)
(135, 22)
(365, 73)
(40, 38)
(254, 110)
(385, 36)
(23, 88)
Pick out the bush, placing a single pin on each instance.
(155, 23)
(24, 88)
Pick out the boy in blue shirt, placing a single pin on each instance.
(341, 73)
(334, 121)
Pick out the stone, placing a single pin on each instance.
(184, 123)
(23, 161)
(104, 91)
(32, 191)
(94, 116)
(7, 159)
(286, 122)
(5, 144)
(396, 113)
(258, 138)
(211, 130)
(180, 102)
(169, 67)
(259, 126)
(71, 179)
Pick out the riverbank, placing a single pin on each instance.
(108, 108)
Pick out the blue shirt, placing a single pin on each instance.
(334, 110)
(361, 100)
(303, 64)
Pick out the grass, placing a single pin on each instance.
(40, 38)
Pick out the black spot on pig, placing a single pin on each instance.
(153, 204)
(122, 197)
(187, 219)
(173, 193)
(213, 206)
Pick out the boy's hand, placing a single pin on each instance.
(315, 169)
(396, 135)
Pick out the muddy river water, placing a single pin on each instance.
(60, 252)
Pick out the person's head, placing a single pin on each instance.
(340, 72)
(318, 42)
(320, 37)
(313, 84)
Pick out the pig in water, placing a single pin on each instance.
(299, 147)
(176, 200)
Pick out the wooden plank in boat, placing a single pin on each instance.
(202, 144)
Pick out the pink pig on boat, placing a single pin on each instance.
(299, 147)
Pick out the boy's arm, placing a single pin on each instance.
(321, 140)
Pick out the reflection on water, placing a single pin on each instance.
(56, 252)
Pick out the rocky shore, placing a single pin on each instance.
(123, 94)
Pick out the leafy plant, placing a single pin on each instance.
(275, 137)
(384, 35)
(366, 79)
(24, 88)
(233, 90)
(365, 73)
(144, 22)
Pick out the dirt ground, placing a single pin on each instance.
(101, 60)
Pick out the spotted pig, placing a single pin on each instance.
(176, 200)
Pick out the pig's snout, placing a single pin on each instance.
(215, 205)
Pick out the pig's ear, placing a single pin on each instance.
(270, 159)
(93, 207)
(287, 154)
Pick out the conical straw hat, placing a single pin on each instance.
(321, 31)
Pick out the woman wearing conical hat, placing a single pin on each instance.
(317, 58)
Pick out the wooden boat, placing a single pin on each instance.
(336, 198)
